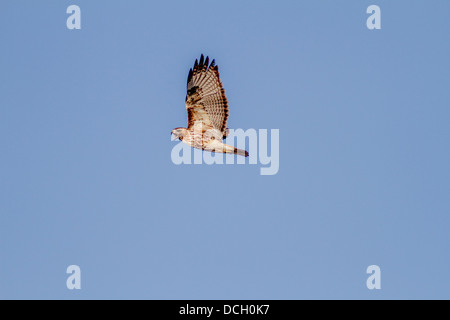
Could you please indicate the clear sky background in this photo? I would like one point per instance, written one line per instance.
(86, 176)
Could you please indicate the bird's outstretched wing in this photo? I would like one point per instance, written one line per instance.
(205, 98)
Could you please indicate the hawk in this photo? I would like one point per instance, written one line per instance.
(207, 109)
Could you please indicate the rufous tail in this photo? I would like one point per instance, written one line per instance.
(241, 152)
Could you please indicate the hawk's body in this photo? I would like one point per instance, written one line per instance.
(207, 109)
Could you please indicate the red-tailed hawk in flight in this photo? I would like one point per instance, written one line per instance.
(207, 109)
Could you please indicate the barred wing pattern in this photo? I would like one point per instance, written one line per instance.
(205, 98)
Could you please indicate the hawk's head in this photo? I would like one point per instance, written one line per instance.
(179, 133)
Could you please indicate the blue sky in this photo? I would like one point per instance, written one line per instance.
(86, 176)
